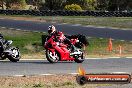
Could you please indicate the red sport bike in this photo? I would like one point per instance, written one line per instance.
(60, 52)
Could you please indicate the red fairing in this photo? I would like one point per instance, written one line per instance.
(61, 48)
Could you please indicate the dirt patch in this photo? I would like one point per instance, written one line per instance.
(33, 56)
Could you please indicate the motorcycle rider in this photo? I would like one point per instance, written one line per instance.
(2, 39)
(60, 37)
(2, 43)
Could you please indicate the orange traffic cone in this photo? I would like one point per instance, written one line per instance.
(110, 45)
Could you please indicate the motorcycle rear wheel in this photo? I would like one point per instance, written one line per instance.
(15, 56)
(3, 57)
(79, 59)
(52, 58)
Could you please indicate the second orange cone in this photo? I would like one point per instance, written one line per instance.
(110, 45)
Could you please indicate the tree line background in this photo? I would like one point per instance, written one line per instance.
(78, 5)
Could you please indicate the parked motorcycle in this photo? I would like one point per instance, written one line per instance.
(7, 51)
(60, 52)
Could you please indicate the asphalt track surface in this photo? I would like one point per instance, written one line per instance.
(31, 67)
(39, 67)
(68, 29)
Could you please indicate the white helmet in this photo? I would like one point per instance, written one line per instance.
(51, 29)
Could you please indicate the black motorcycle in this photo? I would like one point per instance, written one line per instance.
(7, 51)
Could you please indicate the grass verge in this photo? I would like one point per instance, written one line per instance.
(28, 42)
(31, 47)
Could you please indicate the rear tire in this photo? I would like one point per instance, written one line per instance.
(52, 58)
(3, 57)
(79, 59)
(15, 56)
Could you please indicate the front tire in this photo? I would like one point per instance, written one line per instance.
(15, 55)
(52, 58)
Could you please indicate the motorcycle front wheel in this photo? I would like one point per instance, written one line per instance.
(52, 57)
(15, 55)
